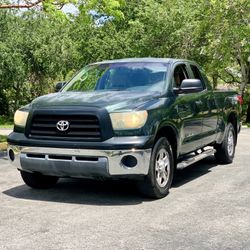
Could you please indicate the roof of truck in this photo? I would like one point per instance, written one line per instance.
(144, 59)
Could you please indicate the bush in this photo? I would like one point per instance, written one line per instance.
(6, 121)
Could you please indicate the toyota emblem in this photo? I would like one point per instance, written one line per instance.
(62, 125)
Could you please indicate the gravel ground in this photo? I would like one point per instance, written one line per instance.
(208, 208)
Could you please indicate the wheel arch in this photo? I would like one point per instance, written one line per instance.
(170, 132)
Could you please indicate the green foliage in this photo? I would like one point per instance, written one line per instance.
(34, 51)
(103, 7)
(39, 48)
(3, 142)
(6, 122)
(3, 138)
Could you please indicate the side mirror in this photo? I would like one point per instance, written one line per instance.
(190, 86)
(59, 86)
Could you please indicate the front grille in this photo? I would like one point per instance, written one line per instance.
(85, 127)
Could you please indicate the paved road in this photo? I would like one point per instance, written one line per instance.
(207, 208)
(5, 131)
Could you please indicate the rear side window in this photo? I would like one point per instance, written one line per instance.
(197, 74)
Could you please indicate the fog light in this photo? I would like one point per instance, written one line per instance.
(129, 161)
(11, 155)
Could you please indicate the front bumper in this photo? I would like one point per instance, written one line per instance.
(70, 162)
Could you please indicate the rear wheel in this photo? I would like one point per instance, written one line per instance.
(38, 181)
(159, 179)
(225, 151)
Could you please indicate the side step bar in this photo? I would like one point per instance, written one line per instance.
(196, 158)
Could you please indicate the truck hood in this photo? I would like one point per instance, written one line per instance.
(111, 100)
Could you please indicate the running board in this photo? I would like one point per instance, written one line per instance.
(195, 158)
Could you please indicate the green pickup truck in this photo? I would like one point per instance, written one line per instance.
(138, 118)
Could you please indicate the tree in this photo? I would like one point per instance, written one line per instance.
(35, 51)
(46, 5)
(100, 8)
(38, 48)
(228, 36)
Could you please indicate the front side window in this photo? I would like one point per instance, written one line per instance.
(120, 76)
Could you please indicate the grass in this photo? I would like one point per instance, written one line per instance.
(6, 126)
(3, 138)
(6, 122)
(3, 142)
(247, 124)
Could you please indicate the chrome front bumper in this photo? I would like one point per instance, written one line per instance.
(78, 162)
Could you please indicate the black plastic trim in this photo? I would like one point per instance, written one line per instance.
(114, 143)
(101, 114)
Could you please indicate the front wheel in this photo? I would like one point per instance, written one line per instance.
(225, 151)
(159, 179)
(38, 181)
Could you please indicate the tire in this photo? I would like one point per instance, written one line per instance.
(226, 150)
(161, 170)
(38, 181)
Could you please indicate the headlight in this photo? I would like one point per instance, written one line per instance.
(20, 118)
(128, 120)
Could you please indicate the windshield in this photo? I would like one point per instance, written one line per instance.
(144, 76)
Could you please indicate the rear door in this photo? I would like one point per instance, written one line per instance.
(189, 111)
(208, 107)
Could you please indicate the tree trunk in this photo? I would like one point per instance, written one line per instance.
(4, 106)
(215, 80)
(245, 73)
(27, 5)
(245, 80)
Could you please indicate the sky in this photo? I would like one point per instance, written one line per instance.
(70, 8)
(67, 8)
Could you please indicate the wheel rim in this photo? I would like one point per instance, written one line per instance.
(230, 143)
(162, 167)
